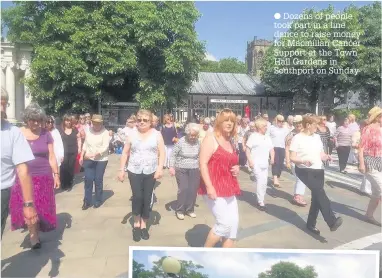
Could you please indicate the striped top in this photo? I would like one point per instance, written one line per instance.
(185, 155)
(219, 168)
(343, 136)
(325, 136)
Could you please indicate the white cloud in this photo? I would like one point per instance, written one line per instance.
(151, 259)
(210, 57)
(251, 264)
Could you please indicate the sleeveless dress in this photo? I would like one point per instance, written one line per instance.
(219, 168)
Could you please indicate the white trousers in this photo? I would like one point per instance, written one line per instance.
(299, 186)
(226, 213)
(168, 150)
(261, 177)
(353, 157)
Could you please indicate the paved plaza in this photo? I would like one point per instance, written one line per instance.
(95, 243)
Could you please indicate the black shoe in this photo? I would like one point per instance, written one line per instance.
(97, 205)
(336, 224)
(136, 234)
(36, 246)
(262, 208)
(85, 206)
(145, 234)
(314, 230)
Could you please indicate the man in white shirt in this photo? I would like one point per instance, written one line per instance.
(15, 152)
(259, 148)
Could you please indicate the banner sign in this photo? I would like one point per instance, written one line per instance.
(229, 101)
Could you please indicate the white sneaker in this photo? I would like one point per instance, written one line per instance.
(192, 214)
(179, 215)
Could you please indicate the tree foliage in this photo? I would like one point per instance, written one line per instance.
(226, 65)
(83, 50)
(366, 21)
(289, 270)
(188, 270)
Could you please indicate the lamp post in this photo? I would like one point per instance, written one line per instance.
(171, 267)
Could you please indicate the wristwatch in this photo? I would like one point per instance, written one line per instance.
(28, 205)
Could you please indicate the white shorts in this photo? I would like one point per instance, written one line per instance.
(226, 214)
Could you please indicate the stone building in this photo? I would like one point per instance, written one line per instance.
(15, 62)
(255, 53)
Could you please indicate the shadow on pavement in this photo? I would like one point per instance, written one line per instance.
(29, 263)
(335, 184)
(282, 213)
(196, 237)
(154, 219)
(107, 194)
(351, 212)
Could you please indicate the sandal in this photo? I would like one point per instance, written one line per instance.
(373, 221)
(299, 201)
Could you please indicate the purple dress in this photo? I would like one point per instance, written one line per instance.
(43, 187)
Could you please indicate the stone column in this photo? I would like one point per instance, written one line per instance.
(11, 89)
(27, 94)
(3, 66)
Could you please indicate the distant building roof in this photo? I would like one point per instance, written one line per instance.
(210, 83)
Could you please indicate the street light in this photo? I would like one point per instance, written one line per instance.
(171, 267)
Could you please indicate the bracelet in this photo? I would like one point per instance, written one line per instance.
(28, 205)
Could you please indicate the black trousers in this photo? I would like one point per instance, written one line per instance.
(277, 167)
(5, 196)
(142, 187)
(188, 183)
(330, 145)
(314, 179)
(67, 170)
(242, 155)
(343, 156)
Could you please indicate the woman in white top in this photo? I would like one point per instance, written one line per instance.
(307, 153)
(94, 158)
(144, 152)
(57, 140)
(278, 134)
(259, 148)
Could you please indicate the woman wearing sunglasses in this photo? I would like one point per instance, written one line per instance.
(58, 145)
(144, 153)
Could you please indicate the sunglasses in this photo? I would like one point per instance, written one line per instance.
(142, 120)
(49, 122)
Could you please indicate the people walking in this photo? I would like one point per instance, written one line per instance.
(354, 127)
(15, 154)
(324, 133)
(45, 178)
(94, 159)
(343, 142)
(72, 142)
(58, 145)
(307, 152)
(169, 134)
(184, 165)
(278, 134)
(299, 186)
(242, 130)
(144, 153)
(259, 149)
(219, 167)
(331, 124)
(370, 160)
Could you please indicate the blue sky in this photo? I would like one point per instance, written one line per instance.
(228, 26)
(249, 264)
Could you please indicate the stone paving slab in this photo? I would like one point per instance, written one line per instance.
(95, 243)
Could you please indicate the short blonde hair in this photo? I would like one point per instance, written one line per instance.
(145, 113)
(309, 119)
(259, 122)
(225, 115)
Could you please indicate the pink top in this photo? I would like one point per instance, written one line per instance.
(371, 141)
(40, 165)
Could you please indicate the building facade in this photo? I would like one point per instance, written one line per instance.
(255, 53)
(15, 66)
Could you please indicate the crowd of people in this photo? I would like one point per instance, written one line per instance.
(205, 156)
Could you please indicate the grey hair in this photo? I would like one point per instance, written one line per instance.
(207, 121)
(33, 112)
(192, 127)
(4, 94)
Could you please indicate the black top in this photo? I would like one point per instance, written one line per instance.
(70, 141)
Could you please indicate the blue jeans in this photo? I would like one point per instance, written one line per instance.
(94, 172)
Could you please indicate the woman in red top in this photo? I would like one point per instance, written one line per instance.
(370, 160)
(219, 167)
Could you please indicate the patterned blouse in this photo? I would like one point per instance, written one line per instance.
(143, 153)
(371, 142)
(185, 155)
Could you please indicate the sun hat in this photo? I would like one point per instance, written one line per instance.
(374, 113)
(297, 119)
(97, 118)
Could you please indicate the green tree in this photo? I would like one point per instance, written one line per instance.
(315, 85)
(289, 270)
(226, 65)
(188, 270)
(147, 51)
